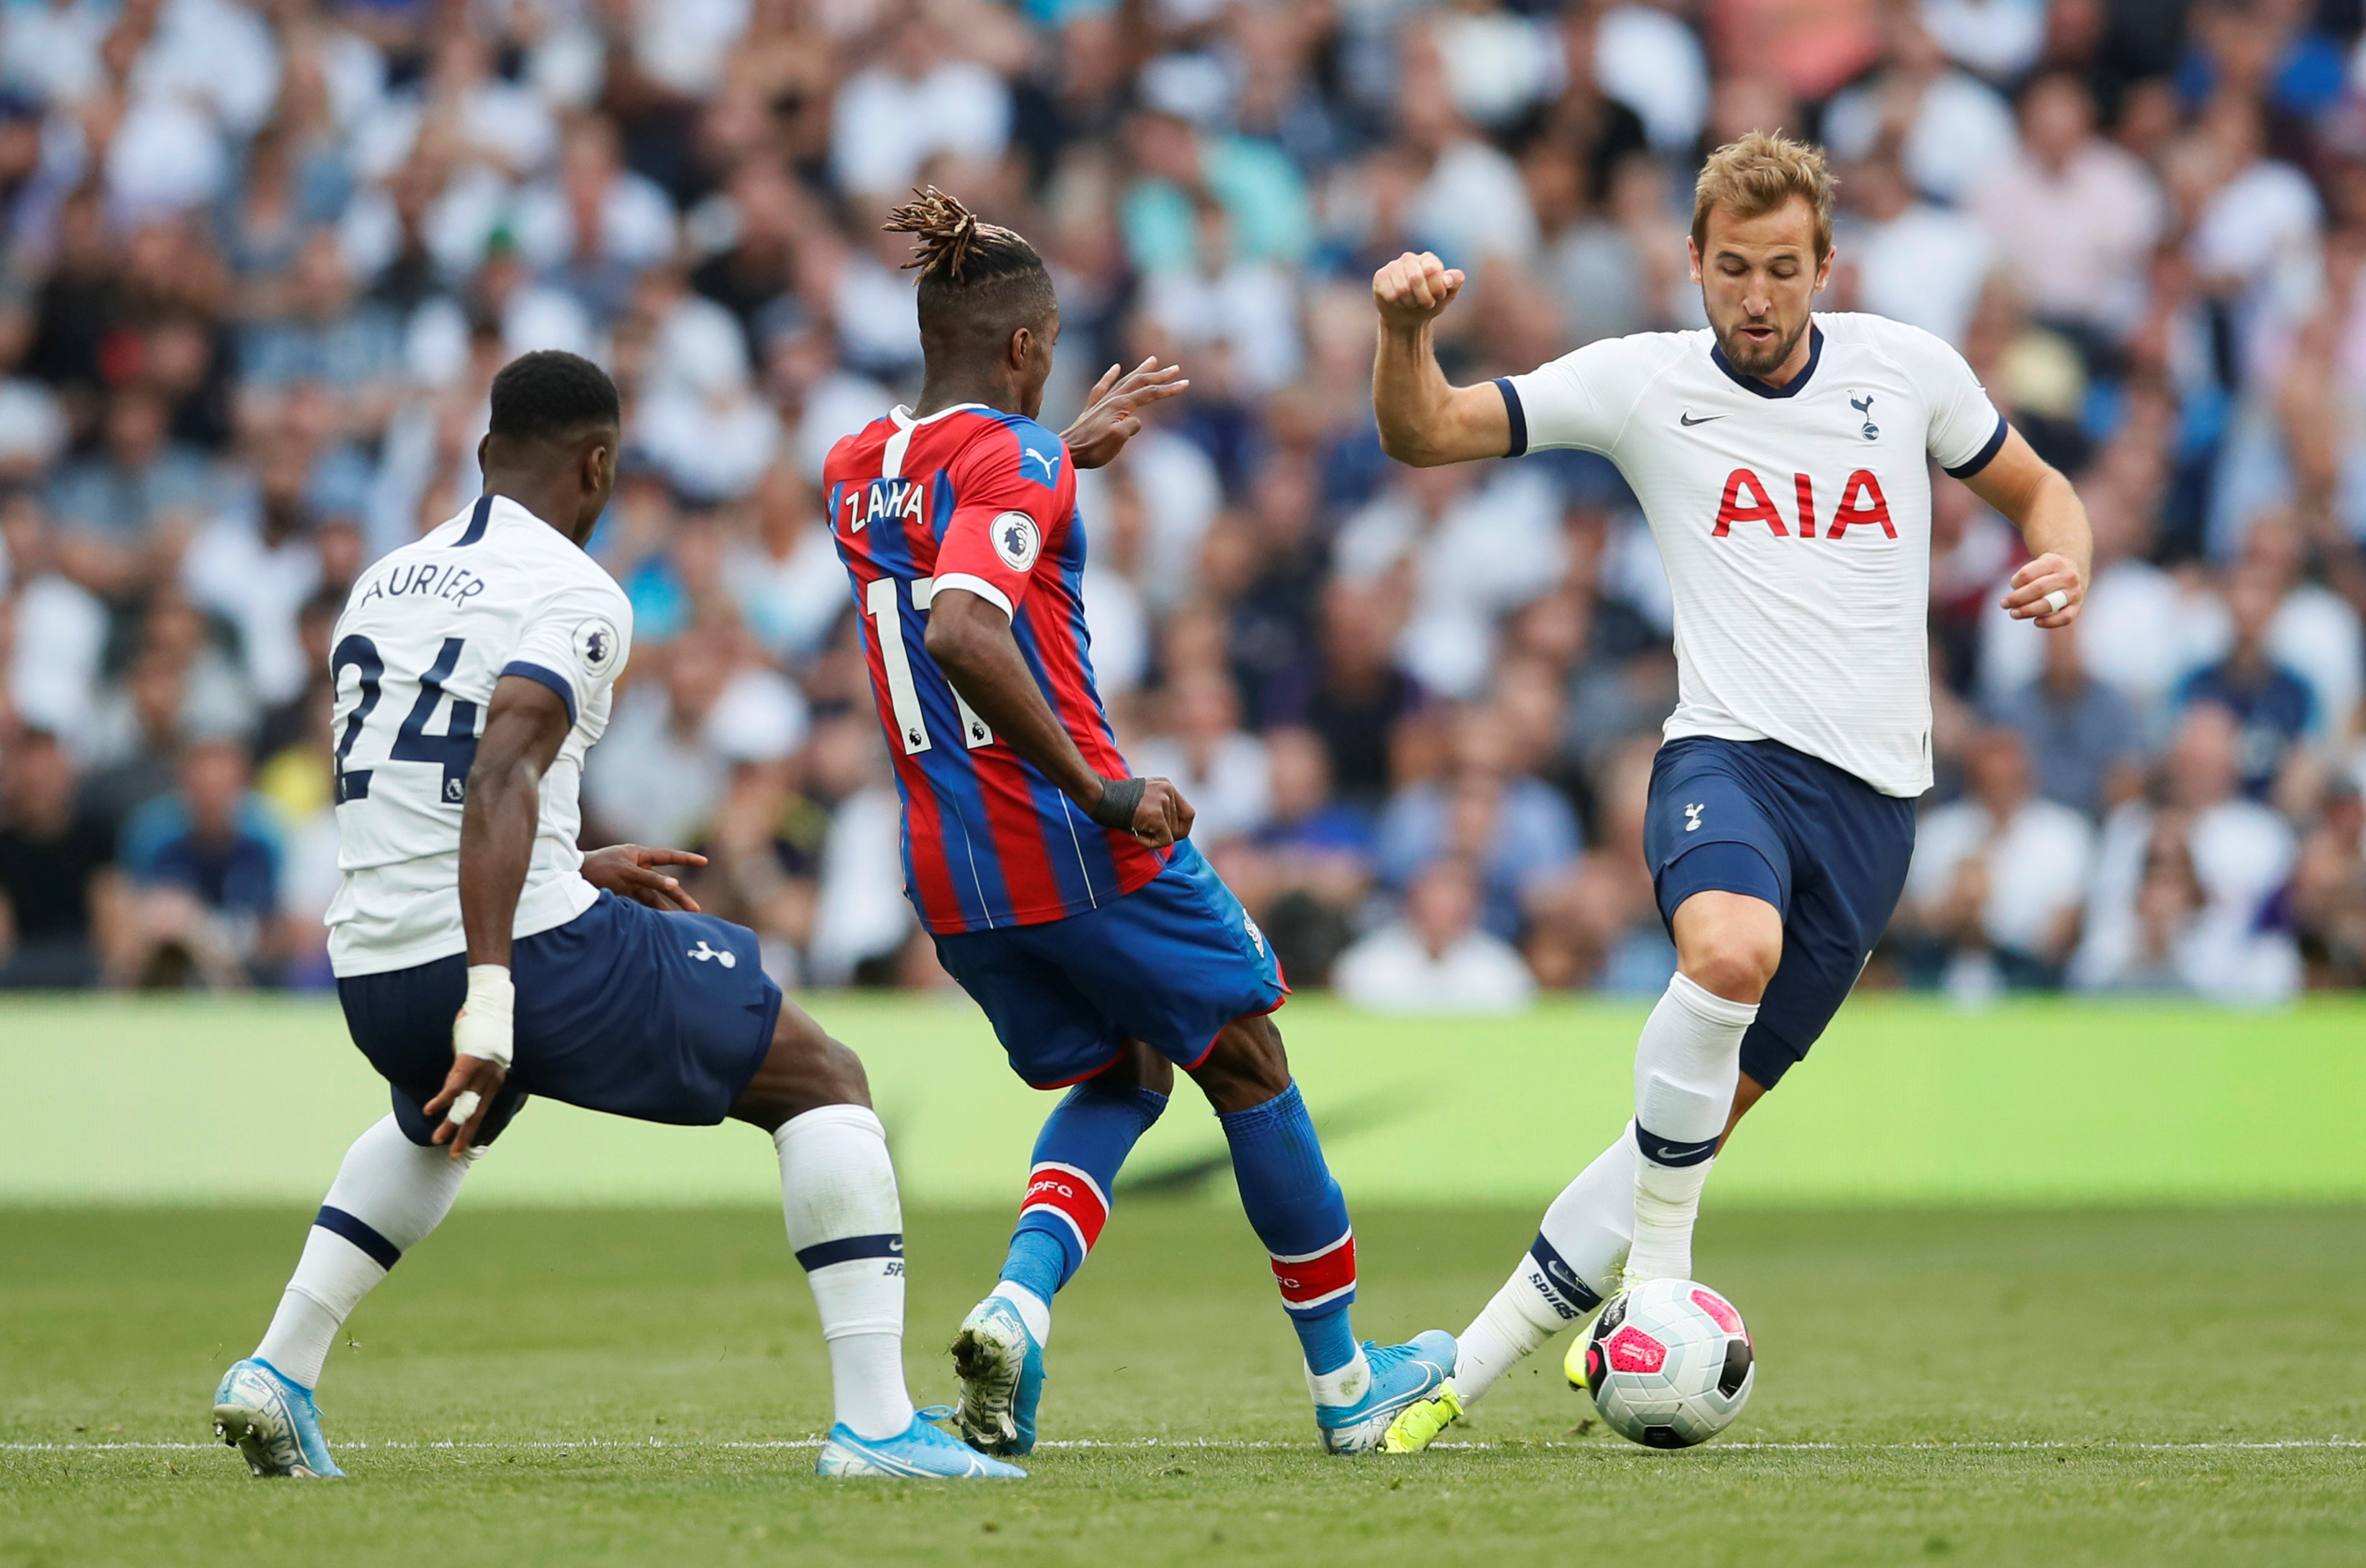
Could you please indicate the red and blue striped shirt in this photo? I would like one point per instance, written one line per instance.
(979, 499)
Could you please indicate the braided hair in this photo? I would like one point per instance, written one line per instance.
(979, 282)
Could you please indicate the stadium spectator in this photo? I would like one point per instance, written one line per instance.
(58, 629)
(2330, 891)
(660, 779)
(2083, 739)
(1994, 894)
(255, 569)
(1222, 770)
(2184, 895)
(1436, 959)
(2272, 708)
(59, 892)
(1598, 925)
(2073, 216)
(1305, 874)
(203, 863)
(1511, 829)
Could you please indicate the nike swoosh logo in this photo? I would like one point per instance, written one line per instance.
(1687, 419)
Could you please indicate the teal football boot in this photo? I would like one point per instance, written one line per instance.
(270, 1419)
(1001, 1371)
(920, 1452)
(1401, 1374)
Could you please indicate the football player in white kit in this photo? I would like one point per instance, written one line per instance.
(481, 957)
(1782, 459)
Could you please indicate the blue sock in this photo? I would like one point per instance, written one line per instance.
(1085, 1139)
(1298, 1212)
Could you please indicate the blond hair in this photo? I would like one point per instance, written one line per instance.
(1754, 174)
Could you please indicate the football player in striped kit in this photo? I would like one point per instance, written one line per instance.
(1062, 892)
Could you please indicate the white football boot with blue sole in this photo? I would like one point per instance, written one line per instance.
(270, 1419)
(1001, 1371)
(1400, 1375)
(920, 1452)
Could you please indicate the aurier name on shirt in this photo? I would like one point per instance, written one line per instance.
(424, 639)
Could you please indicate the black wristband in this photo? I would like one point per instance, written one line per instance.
(1119, 797)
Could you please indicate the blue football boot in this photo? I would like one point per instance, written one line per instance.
(1401, 1375)
(1001, 1371)
(270, 1419)
(920, 1452)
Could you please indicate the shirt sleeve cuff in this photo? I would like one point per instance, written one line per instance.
(978, 586)
(1984, 455)
(1517, 415)
(547, 677)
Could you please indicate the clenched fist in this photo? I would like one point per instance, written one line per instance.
(1413, 289)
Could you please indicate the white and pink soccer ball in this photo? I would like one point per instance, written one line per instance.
(1668, 1363)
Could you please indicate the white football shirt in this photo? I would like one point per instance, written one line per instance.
(426, 632)
(1795, 522)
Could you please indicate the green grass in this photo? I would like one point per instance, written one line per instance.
(1955, 1385)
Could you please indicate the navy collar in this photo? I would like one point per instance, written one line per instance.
(1791, 387)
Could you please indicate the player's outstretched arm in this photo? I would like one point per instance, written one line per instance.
(524, 727)
(1113, 407)
(2040, 502)
(970, 640)
(1424, 420)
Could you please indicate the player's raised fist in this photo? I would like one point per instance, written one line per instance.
(1414, 288)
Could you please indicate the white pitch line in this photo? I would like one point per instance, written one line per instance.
(1229, 1445)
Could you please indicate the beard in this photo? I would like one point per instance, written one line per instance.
(1750, 360)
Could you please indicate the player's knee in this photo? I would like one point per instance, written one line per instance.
(1138, 1066)
(1246, 1066)
(805, 1071)
(1734, 960)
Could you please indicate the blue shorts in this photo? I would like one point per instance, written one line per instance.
(616, 1012)
(1823, 846)
(1169, 964)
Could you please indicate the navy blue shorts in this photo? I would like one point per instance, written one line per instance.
(659, 1017)
(1818, 843)
(1169, 964)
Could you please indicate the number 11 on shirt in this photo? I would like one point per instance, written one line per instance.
(902, 697)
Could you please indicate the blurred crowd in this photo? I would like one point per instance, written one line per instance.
(259, 261)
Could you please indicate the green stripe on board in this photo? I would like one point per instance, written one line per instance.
(208, 1100)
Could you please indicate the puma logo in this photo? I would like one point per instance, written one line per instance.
(1049, 460)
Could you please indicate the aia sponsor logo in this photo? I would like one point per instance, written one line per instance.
(1747, 500)
(1632, 1350)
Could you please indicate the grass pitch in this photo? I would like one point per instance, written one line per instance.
(634, 1387)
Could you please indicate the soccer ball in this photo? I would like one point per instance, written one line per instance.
(1668, 1365)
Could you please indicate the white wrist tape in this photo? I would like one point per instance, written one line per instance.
(484, 1026)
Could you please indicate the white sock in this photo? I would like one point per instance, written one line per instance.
(1563, 1276)
(387, 1195)
(1341, 1385)
(1687, 1067)
(1034, 1310)
(837, 1191)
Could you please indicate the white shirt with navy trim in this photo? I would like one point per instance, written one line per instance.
(1795, 522)
(427, 632)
